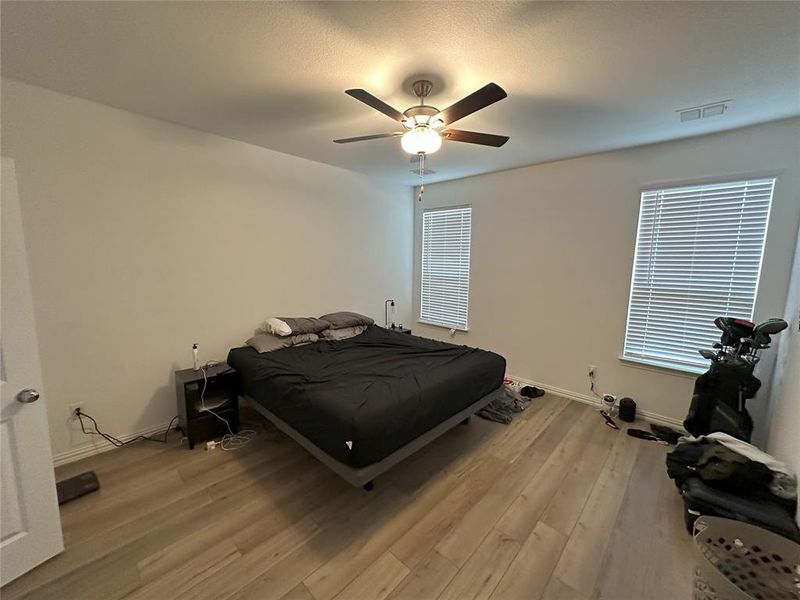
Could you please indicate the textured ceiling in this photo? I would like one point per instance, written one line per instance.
(581, 77)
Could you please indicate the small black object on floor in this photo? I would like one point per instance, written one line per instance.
(657, 433)
(627, 410)
(77, 486)
(668, 434)
(645, 435)
(531, 392)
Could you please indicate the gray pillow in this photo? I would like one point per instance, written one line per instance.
(266, 342)
(305, 324)
(339, 320)
(342, 333)
(286, 326)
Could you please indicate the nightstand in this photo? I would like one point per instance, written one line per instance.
(221, 396)
(399, 329)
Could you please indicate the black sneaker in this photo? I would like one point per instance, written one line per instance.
(668, 434)
(531, 392)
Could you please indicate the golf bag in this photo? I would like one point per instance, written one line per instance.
(718, 401)
(720, 394)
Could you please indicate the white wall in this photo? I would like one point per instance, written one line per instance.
(784, 433)
(144, 237)
(552, 251)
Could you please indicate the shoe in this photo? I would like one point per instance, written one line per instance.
(667, 434)
(645, 435)
(531, 392)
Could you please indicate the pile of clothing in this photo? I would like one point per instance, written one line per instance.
(720, 474)
(503, 409)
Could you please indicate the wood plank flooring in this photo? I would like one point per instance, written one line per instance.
(555, 505)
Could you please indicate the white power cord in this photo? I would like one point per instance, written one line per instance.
(230, 441)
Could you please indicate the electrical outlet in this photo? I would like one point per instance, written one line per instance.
(72, 409)
(592, 370)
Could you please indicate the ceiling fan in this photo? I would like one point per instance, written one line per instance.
(426, 126)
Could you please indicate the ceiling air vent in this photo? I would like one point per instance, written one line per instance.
(714, 110)
(703, 112)
(691, 114)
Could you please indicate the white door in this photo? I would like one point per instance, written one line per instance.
(30, 526)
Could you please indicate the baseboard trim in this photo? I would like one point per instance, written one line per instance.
(100, 445)
(648, 416)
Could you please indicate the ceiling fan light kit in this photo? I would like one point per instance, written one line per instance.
(422, 139)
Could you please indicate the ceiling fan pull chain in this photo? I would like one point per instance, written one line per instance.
(421, 176)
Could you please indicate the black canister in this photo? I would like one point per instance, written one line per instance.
(627, 410)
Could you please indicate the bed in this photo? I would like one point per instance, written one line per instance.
(362, 404)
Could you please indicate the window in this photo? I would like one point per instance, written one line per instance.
(698, 257)
(446, 237)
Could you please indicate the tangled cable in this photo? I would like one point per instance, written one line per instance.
(230, 441)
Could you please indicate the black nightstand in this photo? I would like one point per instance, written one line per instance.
(221, 396)
(399, 329)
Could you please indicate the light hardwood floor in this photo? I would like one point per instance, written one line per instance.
(554, 506)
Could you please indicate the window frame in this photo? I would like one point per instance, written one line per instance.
(685, 369)
(420, 318)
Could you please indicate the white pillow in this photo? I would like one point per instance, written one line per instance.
(275, 326)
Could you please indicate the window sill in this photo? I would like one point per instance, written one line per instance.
(448, 327)
(686, 371)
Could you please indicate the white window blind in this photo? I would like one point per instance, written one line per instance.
(698, 257)
(446, 237)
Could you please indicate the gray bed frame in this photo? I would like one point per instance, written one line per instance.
(363, 476)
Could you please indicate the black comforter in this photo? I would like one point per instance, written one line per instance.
(362, 398)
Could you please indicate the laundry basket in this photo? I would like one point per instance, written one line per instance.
(739, 561)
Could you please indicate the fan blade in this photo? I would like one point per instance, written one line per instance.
(488, 94)
(376, 103)
(364, 138)
(472, 137)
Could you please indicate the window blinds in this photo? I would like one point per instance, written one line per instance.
(446, 237)
(698, 257)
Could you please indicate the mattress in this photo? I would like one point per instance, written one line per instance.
(362, 398)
